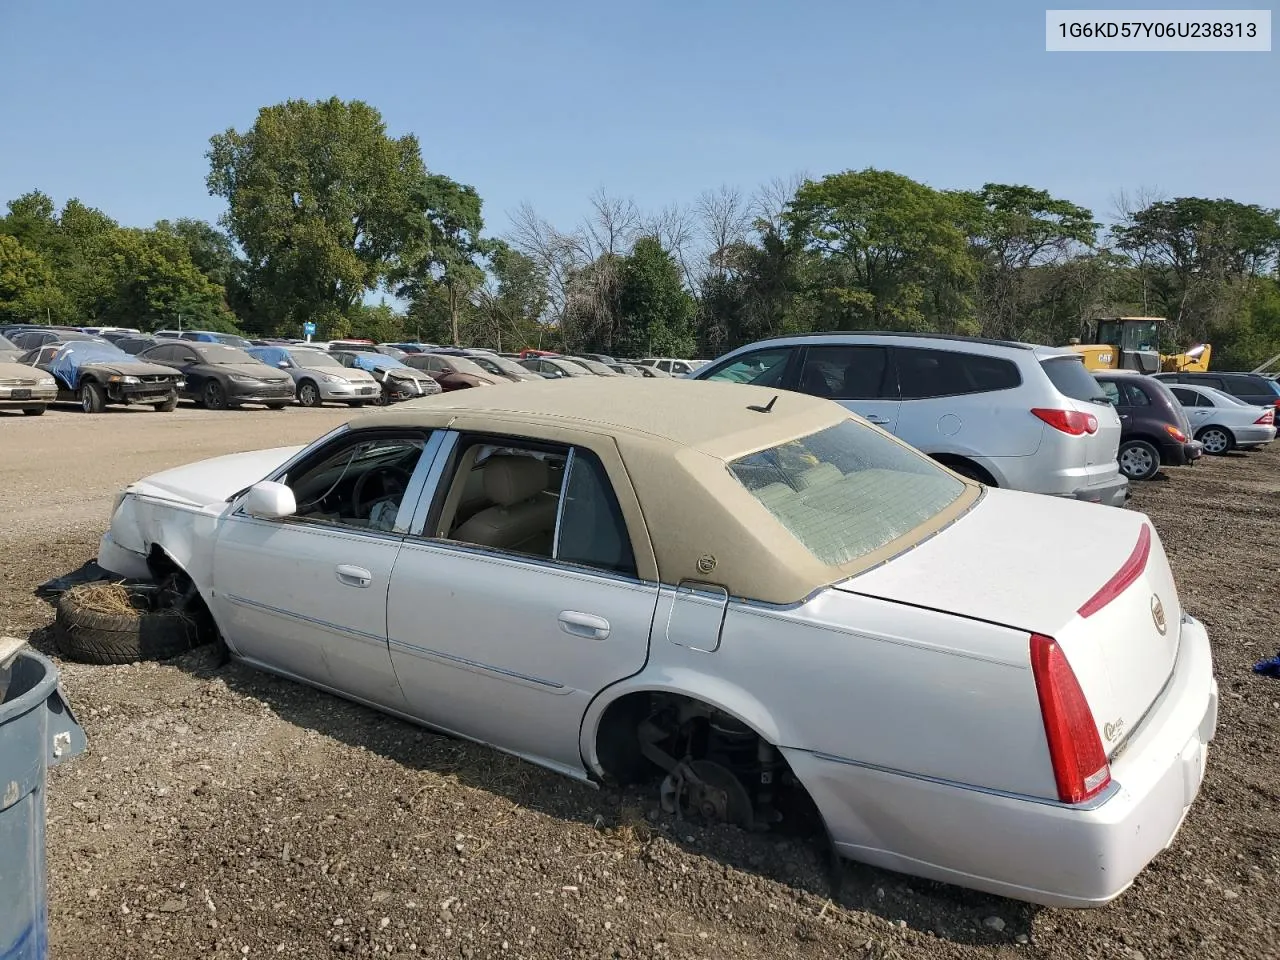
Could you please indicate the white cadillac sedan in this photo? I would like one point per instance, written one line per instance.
(752, 595)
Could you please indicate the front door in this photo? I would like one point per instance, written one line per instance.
(521, 602)
(307, 595)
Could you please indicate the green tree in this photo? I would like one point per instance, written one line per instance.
(379, 323)
(147, 279)
(445, 248)
(1195, 259)
(1018, 233)
(321, 201)
(28, 291)
(893, 254)
(657, 311)
(211, 250)
(509, 309)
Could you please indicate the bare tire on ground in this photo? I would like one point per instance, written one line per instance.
(33, 411)
(92, 398)
(93, 636)
(168, 406)
(276, 406)
(1139, 460)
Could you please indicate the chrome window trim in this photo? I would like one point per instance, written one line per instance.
(431, 481)
(559, 567)
(564, 486)
(414, 649)
(361, 635)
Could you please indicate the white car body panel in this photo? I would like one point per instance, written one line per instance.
(902, 698)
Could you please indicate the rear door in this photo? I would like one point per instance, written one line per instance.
(860, 377)
(954, 401)
(1082, 393)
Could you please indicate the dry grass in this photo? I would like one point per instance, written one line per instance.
(104, 597)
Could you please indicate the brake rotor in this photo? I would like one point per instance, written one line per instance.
(712, 793)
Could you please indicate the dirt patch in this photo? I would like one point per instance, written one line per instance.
(219, 810)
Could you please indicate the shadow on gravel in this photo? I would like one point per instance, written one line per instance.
(631, 817)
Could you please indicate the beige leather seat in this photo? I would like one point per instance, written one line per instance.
(523, 517)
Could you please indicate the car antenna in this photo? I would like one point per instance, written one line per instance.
(767, 408)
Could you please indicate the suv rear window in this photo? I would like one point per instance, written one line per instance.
(847, 490)
(1072, 379)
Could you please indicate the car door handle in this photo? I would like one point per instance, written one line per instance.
(584, 625)
(872, 418)
(353, 576)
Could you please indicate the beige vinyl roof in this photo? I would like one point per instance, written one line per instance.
(665, 444)
(710, 417)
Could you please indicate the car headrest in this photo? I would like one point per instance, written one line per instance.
(509, 479)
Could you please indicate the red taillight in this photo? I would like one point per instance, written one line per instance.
(1267, 418)
(1080, 766)
(1129, 571)
(1068, 421)
(1175, 433)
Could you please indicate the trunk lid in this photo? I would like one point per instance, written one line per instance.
(1084, 574)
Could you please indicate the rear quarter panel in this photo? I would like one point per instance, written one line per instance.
(877, 683)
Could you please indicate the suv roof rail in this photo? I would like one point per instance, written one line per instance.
(989, 341)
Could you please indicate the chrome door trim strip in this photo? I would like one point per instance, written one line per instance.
(420, 651)
(302, 618)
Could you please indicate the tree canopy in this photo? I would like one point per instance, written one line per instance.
(326, 211)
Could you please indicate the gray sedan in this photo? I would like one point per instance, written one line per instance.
(319, 376)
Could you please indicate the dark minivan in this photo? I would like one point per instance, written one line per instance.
(1154, 429)
(1252, 388)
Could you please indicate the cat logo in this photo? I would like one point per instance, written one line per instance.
(1157, 615)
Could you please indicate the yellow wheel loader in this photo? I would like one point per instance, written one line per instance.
(1133, 343)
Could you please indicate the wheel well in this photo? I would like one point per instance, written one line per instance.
(164, 568)
(649, 735)
(1145, 438)
(963, 465)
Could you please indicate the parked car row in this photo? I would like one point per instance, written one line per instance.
(1005, 414)
(99, 366)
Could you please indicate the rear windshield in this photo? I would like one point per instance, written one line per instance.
(1071, 378)
(848, 490)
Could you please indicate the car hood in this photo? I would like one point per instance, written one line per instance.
(209, 482)
(259, 371)
(20, 371)
(347, 373)
(130, 368)
(1039, 563)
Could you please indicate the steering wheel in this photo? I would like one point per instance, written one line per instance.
(391, 480)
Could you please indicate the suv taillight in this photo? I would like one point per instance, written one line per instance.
(1068, 421)
(1080, 765)
(1267, 418)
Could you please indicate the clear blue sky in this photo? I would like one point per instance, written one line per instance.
(544, 102)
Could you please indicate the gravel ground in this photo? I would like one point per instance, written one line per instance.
(221, 811)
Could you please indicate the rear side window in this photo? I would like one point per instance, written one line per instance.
(852, 372)
(1134, 395)
(846, 491)
(1071, 379)
(947, 373)
(592, 530)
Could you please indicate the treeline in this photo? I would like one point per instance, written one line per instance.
(324, 209)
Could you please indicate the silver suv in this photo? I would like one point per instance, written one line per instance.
(1007, 414)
